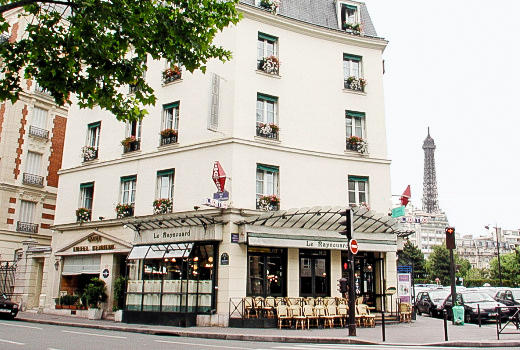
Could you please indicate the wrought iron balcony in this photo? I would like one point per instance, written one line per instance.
(168, 140)
(38, 132)
(262, 131)
(132, 146)
(26, 227)
(33, 180)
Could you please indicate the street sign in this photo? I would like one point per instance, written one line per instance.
(398, 212)
(353, 246)
(221, 196)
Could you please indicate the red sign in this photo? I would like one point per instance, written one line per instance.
(219, 176)
(353, 246)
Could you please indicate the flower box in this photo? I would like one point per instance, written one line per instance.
(89, 153)
(354, 83)
(356, 143)
(268, 203)
(168, 136)
(171, 74)
(83, 214)
(267, 130)
(270, 65)
(162, 206)
(270, 5)
(353, 28)
(130, 144)
(124, 210)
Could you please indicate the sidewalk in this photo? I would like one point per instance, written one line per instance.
(423, 331)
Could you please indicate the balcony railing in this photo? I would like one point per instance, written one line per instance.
(132, 146)
(26, 227)
(168, 140)
(38, 132)
(268, 133)
(33, 180)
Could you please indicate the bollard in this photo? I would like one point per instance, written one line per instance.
(479, 320)
(445, 316)
(383, 325)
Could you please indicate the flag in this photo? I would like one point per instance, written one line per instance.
(405, 198)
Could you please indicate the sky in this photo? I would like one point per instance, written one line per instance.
(455, 66)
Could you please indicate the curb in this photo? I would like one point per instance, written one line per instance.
(264, 338)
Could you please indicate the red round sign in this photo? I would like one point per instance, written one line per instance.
(353, 246)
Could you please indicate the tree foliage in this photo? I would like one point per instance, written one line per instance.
(509, 266)
(93, 49)
(411, 255)
(438, 265)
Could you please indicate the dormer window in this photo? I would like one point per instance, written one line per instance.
(350, 18)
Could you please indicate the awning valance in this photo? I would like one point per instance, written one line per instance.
(160, 251)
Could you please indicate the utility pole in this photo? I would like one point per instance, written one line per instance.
(498, 255)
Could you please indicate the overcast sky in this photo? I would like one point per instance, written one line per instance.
(455, 66)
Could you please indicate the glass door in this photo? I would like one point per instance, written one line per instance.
(314, 273)
(266, 272)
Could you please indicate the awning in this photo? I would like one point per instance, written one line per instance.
(81, 264)
(160, 251)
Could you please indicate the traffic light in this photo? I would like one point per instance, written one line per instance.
(347, 213)
(343, 285)
(450, 237)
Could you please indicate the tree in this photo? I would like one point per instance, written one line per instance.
(509, 266)
(478, 274)
(94, 48)
(438, 265)
(411, 255)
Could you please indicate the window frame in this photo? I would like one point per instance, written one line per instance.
(356, 180)
(83, 195)
(343, 15)
(131, 190)
(24, 206)
(42, 123)
(352, 59)
(29, 165)
(175, 106)
(170, 174)
(266, 100)
(354, 117)
(93, 134)
(262, 41)
(275, 173)
(129, 131)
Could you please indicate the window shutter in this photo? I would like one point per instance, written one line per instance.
(39, 118)
(94, 125)
(214, 102)
(355, 114)
(358, 178)
(264, 97)
(263, 36)
(273, 169)
(33, 163)
(87, 185)
(347, 56)
(165, 172)
(171, 105)
(128, 178)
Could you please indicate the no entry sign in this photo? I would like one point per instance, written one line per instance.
(353, 246)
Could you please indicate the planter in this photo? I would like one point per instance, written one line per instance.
(73, 307)
(118, 316)
(95, 313)
(65, 306)
(58, 307)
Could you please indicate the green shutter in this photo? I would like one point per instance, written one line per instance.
(94, 125)
(347, 56)
(171, 105)
(350, 7)
(273, 169)
(264, 97)
(165, 172)
(86, 185)
(263, 36)
(128, 178)
(357, 178)
(355, 114)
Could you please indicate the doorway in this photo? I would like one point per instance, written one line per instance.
(314, 273)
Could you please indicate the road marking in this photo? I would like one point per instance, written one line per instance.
(96, 335)
(19, 325)
(10, 342)
(358, 346)
(206, 345)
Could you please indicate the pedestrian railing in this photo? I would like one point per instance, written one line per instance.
(506, 316)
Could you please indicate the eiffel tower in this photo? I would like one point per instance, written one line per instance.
(430, 203)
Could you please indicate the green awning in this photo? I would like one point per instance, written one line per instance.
(357, 178)
(86, 185)
(350, 7)
(165, 172)
(273, 169)
(264, 97)
(347, 56)
(94, 125)
(355, 114)
(129, 178)
(171, 105)
(264, 36)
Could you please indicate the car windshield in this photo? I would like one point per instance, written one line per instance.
(439, 295)
(476, 297)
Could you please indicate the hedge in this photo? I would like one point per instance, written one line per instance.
(493, 282)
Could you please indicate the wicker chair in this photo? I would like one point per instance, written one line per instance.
(282, 313)
(343, 313)
(308, 312)
(367, 319)
(331, 316)
(269, 305)
(295, 311)
(249, 308)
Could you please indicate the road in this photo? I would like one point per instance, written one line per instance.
(19, 335)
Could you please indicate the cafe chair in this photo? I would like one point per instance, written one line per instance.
(308, 312)
(282, 313)
(367, 319)
(295, 311)
(268, 308)
(331, 316)
(249, 309)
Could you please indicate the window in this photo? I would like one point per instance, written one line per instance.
(27, 211)
(355, 122)
(165, 184)
(267, 187)
(266, 116)
(86, 195)
(171, 116)
(352, 74)
(33, 163)
(93, 134)
(266, 271)
(39, 118)
(349, 17)
(132, 142)
(128, 184)
(267, 56)
(357, 190)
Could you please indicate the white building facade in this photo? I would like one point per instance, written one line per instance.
(295, 119)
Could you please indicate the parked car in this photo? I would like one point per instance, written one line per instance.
(509, 297)
(7, 307)
(473, 302)
(430, 302)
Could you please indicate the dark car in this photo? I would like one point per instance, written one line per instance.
(430, 302)
(508, 297)
(474, 302)
(8, 308)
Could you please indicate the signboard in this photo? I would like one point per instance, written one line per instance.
(221, 196)
(224, 259)
(105, 273)
(219, 176)
(414, 220)
(181, 234)
(354, 246)
(214, 203)
(397, 212)
(404, 287)
(235, 238)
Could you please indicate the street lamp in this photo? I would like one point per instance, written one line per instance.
(498, 253)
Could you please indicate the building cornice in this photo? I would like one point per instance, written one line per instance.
(222, 142)
(254, 13)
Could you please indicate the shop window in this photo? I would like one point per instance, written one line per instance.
(267, 196)
(314, 273)
(364, 274)
(266, 274)
(357, 191)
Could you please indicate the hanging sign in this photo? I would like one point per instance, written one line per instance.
(219, 176)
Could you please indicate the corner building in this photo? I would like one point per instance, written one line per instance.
(296, 120)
